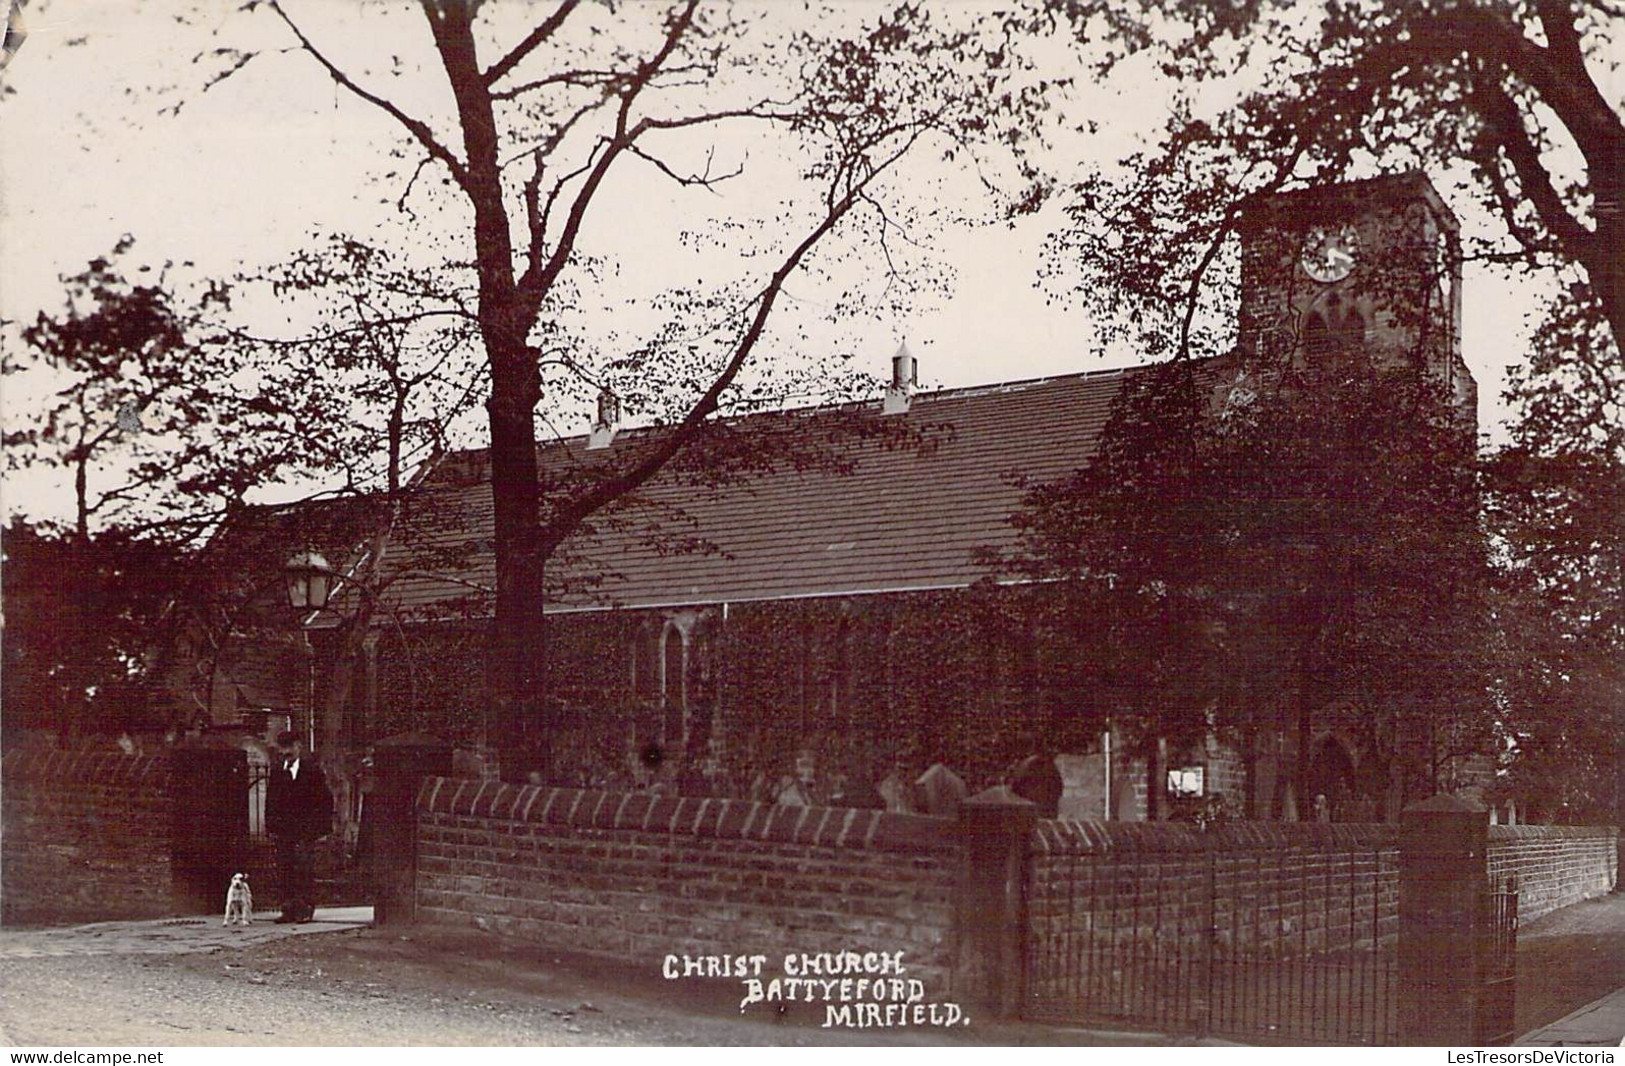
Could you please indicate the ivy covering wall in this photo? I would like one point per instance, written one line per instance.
(865, 685)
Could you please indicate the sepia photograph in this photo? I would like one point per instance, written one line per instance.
(825, 523)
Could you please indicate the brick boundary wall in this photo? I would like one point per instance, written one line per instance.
(84, 836)
(635, 876)
(1286, 886)
(1556, 865)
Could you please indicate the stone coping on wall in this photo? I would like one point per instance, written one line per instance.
(44, 765)
(1068, 836)
(1510, 834)
(829, 827)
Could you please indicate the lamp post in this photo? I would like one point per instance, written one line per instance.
(308, 580)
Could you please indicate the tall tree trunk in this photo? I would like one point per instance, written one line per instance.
(339, 678)
(514, 676)
(1604, 253)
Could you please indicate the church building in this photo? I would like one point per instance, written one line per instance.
(840, 624)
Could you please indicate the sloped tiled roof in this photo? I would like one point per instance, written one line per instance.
(901, 518)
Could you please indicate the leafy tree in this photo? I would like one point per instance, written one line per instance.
(79, 621)
(543, 126)
(163, 425)
(1309, 560)
(386, 347)
(1513, 99)
(1515, 89)
(142, 395)
(1557, 504)
(170, 413)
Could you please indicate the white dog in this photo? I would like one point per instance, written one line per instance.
(239, 902)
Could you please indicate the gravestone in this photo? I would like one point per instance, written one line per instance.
(858, 793)
(1036, 778)
(1083, 786)
(792, 793)
(897, 792)
(940, 791)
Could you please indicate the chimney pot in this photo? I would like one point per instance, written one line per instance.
(607, 421)
(905, 377)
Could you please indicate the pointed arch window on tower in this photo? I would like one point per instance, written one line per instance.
(1334, 341)
(1316, 338)
(1351, 336)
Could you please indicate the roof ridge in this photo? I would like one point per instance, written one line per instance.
(949, 393)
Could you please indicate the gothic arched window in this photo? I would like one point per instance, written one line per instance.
(643, 662)
(674, 683)
(1334, 345)
(1316, 338)
(840, 679)
(1352, 329)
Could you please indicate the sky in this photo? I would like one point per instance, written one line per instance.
(248, 170)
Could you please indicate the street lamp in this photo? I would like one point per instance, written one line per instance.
(308, 580)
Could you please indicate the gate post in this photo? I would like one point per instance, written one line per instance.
(996, 826)
(1443, 853)
(389, 820)
(208, 840)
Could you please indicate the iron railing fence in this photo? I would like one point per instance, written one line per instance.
(1498, 952)
(1287, 945)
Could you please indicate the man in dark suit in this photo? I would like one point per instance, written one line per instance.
(298, 811)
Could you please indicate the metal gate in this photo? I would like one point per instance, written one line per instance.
(340, 878)
(209, 823)
(1497, 953)
(1281, 945)
(259, 774)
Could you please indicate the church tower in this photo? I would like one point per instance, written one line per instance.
(1358, 283)
(1355, 278)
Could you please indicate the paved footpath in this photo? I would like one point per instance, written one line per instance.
(170, 936)
(1598, 1024)
(1573, 958)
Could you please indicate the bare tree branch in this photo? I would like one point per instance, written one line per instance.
(1502, 113)
(706, 180)
(532, 41)
(544, 269)
(571, 515)
(415, 127)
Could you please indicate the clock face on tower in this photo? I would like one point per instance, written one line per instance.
(1328, 253)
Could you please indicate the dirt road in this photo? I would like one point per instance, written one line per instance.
(181, 984)
(371, 987)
